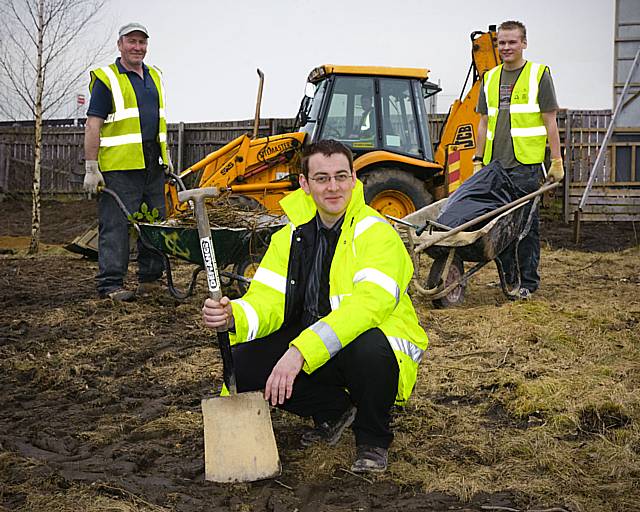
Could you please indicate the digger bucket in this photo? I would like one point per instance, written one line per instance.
(238, 435)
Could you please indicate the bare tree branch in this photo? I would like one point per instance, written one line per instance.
(68, 28)
(42, 59)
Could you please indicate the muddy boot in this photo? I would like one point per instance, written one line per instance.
(370, 459)
(329, 431)
(118, 295)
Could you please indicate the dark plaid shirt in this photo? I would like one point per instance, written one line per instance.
(316, 298)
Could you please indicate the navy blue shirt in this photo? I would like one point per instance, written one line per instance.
(101, 103)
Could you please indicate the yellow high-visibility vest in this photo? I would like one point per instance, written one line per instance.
(528, 132)
(120, 135)
(368, 280)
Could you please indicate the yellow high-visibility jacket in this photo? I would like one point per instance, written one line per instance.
(120, 135)
(368, 281)
(528, 132)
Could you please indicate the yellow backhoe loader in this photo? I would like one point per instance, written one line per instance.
(380, 112)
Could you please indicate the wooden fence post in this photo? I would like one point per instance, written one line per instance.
(568, 157)
(179, 168)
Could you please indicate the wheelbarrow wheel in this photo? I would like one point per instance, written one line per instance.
(435, 278)
(246, 267)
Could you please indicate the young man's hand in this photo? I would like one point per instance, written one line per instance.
(280, 383)
(556, 170)
(218, 314)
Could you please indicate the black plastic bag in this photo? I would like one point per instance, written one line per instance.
(485, 191)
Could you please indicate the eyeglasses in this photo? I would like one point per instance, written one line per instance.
(323, 179)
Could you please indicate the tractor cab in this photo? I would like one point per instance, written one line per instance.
(380, 113)
(369, 109)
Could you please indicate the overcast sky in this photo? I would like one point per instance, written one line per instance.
(209, 50)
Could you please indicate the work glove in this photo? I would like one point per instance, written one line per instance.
(556, 171)
(477, 165)
(92, 176)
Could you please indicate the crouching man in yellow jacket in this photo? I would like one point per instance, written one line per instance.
(329, 298)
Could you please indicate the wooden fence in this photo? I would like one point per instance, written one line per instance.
(615, 194)
(63, 150)
(617, 184)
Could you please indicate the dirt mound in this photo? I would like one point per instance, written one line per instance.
(62, 221)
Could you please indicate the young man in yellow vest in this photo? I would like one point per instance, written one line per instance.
(517, 106)
(125, 148)
(327, 327)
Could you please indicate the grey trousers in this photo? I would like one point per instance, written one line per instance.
(133, 188)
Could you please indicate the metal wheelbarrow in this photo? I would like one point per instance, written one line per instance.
(241, 247)
(451, 247)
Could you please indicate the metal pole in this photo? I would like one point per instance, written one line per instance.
(605, 142)
(256, 121)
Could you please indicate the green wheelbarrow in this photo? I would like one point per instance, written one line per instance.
(241, 248)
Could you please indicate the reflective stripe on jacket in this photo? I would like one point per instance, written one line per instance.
(368, 280)
(120, 135)
(528, 132)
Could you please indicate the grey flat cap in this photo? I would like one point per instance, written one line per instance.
(132, 27)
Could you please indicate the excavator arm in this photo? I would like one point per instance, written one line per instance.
(262, 169)
(459, 131)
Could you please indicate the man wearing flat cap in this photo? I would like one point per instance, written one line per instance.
(125, 148)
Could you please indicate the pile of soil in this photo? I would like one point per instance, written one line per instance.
(61, 221)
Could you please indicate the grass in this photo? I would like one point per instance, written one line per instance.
(539, 397)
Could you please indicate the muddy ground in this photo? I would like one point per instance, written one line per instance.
(519, 406)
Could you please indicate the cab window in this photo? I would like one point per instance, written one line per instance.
(351, 115)
(307, 118)
(399, 120)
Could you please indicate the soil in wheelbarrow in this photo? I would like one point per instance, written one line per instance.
(518, 405)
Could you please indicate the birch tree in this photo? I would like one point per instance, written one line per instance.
(46, 47)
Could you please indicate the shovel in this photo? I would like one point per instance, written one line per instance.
(239, 445)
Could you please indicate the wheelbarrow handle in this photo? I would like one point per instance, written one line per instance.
(197, 197)
(433, 223)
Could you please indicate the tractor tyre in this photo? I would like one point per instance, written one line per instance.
(395, 192)
(456, 296)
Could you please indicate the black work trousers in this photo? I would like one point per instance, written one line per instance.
(364, 373)
(528, 178)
